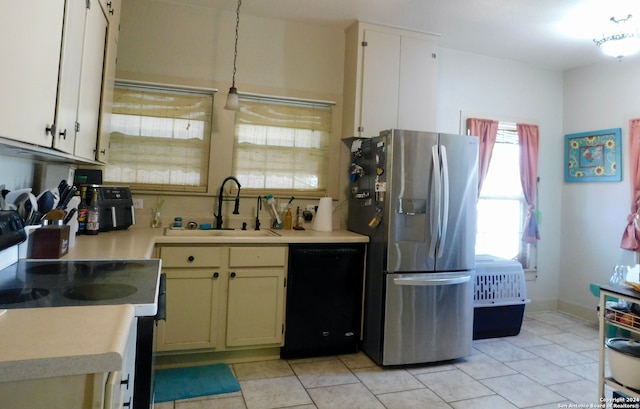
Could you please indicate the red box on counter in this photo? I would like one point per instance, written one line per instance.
(49, 242)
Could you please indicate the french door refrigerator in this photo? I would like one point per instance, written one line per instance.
(414, 194)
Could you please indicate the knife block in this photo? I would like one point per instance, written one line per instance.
(49, 242)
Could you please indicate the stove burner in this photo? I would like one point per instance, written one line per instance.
(47, 268)
(100, 292)
(18, 295)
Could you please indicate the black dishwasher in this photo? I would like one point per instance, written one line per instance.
(324, 299)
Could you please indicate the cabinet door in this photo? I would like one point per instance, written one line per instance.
(69, 80)
(380, 77)
(104, 131)
(95, 41)
(255, 307)
(418, 84)
(31, 32)
(112, 10)
(192, 310)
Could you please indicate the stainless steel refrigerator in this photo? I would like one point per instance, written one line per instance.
(414, 194)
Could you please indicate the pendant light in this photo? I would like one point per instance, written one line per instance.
(233, 103)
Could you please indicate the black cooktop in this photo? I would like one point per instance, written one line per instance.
(59, 283)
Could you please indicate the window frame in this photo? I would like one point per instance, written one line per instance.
(527, 252)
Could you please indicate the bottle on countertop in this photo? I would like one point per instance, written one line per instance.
(93, 216)
(288, 220)
(83, 210)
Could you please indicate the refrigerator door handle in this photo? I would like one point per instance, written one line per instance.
(435, 227)
(445, 199)
(431, 281)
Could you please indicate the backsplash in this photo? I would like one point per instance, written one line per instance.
(16, 172)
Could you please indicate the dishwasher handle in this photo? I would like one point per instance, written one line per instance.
(421, 280)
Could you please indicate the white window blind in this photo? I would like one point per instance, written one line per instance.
(160, 137)
(282, 144)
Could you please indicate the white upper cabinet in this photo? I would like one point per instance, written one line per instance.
(390, 80)
(380, 75)
(30, 41)
(95, 40)
(112, 8)
(59, 73)
(418, 85)
(64, 135)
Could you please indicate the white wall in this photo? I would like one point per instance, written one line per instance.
(505, 90)
(601, 96)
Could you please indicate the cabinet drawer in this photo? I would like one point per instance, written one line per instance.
(190, 257)
(257, 256)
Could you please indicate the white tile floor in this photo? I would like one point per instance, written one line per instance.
(552, 363)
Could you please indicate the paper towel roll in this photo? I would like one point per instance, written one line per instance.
(323, 221)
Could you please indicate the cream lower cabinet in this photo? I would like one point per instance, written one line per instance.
(223, 297)
(193, 297)
(255, 307)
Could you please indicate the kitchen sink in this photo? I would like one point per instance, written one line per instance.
(220, 233)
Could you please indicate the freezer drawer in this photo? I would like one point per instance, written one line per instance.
(429, 317)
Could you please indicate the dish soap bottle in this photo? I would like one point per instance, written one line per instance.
(93, 216)
(288, 220)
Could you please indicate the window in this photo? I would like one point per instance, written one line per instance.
(501, 205)
(282, 144)
(160, 137)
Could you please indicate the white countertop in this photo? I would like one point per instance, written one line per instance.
(49, 342)
(139, 241)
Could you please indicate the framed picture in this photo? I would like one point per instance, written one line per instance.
(593, 156)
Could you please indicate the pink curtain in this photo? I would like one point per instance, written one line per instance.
(630, 236)
(486, 130)
(528, 140)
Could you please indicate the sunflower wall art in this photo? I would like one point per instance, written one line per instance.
(593, 156)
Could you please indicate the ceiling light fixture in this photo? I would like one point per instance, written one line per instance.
(625, 42)
(233, 102)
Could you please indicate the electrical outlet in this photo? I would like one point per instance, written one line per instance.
(138, 203)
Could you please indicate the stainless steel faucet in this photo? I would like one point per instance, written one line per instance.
(221, 198)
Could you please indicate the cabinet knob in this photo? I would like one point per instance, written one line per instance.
(50, 129)
(190, 259)
(111, 11)
(232, 275)
(64, 134)
(127, 404)
(109, 4)
(216, 275)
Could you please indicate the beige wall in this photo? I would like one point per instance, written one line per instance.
(176, 44)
